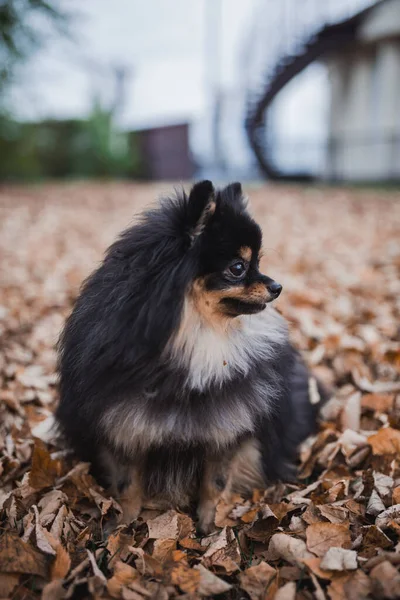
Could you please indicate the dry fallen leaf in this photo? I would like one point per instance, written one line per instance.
(289, 548)
(163, 549)
(385, 581)
(387, 516)
(210, 584)
(386, 441)
(380, 403)
(17, 556)
(354, 586)
(314, 566)
(123, 575)
(375, 505)
(61, 565)
(286, 592)
(45, 470)
(187, 579)
(8, 583)
(255, 580)
(223, 552)
(322, 536)
(170, 525)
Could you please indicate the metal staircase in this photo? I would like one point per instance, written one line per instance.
(329, 38)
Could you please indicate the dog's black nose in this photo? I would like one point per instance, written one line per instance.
(274, 289)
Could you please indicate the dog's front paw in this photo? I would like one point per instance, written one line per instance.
(206, 517)
(130, 511)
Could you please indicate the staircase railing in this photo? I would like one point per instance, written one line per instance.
(329, 38)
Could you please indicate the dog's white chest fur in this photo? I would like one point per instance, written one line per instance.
(213, 355)
(208, 356)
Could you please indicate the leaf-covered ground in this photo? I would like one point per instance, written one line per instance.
(334, 535)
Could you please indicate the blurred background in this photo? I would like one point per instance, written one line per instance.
(171, 89)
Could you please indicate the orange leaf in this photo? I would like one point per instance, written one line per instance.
(44, 470)
(386, 441)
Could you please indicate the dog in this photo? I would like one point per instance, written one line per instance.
(178, 382)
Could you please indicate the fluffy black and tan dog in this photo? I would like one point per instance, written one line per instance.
(177, 380)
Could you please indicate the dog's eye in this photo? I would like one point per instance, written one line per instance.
(237, 269)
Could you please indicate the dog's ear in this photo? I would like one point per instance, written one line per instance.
(201, 206)
(233, 195)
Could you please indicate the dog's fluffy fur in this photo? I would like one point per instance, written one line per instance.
(177, 381)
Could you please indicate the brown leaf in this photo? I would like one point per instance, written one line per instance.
(44, 540)
(123, 575)
(55, 590)
(222, 514)
(187, 579)
(170, 525)
(314, 565)
(312, 514)
(281, 509)
(385, 581)
(145, 563)
(375, 505)
(191, 544)
(289, 548)
(118, 545)
(255, 580)
(263, 527)
(58, 523)
(322, 536)
(128, 594)
(286, 592)
(396, 495)
(334, 514)
(8, 582)
(210, 584)
(45, 470)
(17, 556)
(61, 565)
(104, 504)
(380, 403)
(49, 505)
(386, 441)
(223, 552)
(163, 549)
(373, 539)
(354, 586)
(386, 516)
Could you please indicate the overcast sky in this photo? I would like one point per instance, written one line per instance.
(164, 45)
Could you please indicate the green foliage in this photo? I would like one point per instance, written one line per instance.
(69, 148)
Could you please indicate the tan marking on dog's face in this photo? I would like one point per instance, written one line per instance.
(257, 292)
(208, 302)
(245, 252)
